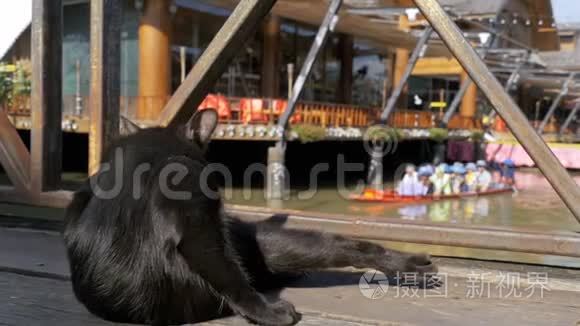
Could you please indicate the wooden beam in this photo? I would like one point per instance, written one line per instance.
(469, 103)
(512, 239)
(380, 3)
(311, 12)
(213, 62)
(104, 101)
(56, 199)
(401, 56)
(46, 97)
(271, 57)
(437, 66)
(346, 58)
(14, 155)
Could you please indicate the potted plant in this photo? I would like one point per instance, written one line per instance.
(308, 133)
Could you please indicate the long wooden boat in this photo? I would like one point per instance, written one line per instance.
(389, 196)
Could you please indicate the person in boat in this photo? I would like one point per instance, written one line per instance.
(441, 181)
(425, 172)
(457, 178)
(470, 177)
(484, 178)
(410, 184)
(507, 173)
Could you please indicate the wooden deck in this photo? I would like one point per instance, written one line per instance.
(35, 290)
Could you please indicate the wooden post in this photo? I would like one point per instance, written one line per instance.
(389, 77)
(154, 59)
(182, 63)
(346, 55)
(46, 131)
(104, 101)
(469, 103)
(401, 59)
(271, 59)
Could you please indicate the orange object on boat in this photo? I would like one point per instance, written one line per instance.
(391, 197)
(218, 102)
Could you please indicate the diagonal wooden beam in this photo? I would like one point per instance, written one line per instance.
(46, 98)
(104, 102)
(213, 62)
(327, 27)
(418, 52)
(14, 155)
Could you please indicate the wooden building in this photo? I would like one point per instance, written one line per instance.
(364, 58)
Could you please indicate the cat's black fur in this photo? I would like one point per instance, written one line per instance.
(141, 257)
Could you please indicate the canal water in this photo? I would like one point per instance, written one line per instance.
(536, 205)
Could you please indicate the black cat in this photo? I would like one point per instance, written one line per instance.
(156, 247)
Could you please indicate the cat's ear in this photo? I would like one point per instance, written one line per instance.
(201, 126)
(127, 127)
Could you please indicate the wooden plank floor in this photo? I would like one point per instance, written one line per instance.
(30, 300)
(34, 290)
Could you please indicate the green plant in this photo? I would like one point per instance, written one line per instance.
(477, 135)
(438, 134)
(22, 78)
(5, 85)
(383, 133)
(309, 133)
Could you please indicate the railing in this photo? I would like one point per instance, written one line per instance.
(133, 107)
(323, 114)
(336, 115)
(145, 109)
(427, 119)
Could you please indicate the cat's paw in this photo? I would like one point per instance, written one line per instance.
(419, 270)
(412, 270)
(421, 263)
(278, 313)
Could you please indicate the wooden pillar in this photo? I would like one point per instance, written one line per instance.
(105, 94)
(469, 104)
(389, 77)
(271, 57)
(46, 132)
(346, 56)
(401, 62)
(154, 59)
